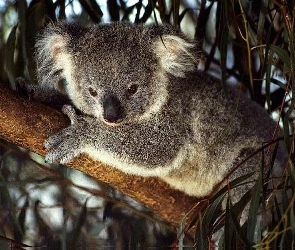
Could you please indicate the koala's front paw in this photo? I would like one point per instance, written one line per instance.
(67, 143)
(71, 113)
(24, 88)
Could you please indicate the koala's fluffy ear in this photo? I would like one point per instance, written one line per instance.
(175, 55)
(52, 56)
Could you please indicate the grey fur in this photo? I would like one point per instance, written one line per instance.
(177, 125)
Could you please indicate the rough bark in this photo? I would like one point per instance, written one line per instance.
(28, 123)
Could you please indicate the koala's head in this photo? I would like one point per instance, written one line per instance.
(116, 72)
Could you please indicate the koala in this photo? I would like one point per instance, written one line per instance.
(138, 103)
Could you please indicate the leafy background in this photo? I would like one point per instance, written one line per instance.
(250, 43)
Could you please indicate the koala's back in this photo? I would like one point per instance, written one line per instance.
(226, 130)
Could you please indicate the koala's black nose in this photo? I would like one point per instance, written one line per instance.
(112, 109)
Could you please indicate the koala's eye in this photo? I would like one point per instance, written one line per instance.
(92, 91)
(132, 89)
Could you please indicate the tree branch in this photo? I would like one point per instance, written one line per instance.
(28, 123)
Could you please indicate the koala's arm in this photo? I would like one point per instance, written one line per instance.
(134, 148)
(51, 97)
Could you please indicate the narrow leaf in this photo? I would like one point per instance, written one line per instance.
(80, 223)
(254, 205)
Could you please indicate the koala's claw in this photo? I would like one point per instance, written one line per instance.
(70, 112)
(58, 138)
(61, 154)
(65, 144)
(63, 148)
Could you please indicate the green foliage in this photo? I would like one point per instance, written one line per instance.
(251, 42)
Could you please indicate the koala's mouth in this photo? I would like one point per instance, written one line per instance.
(113, 124)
